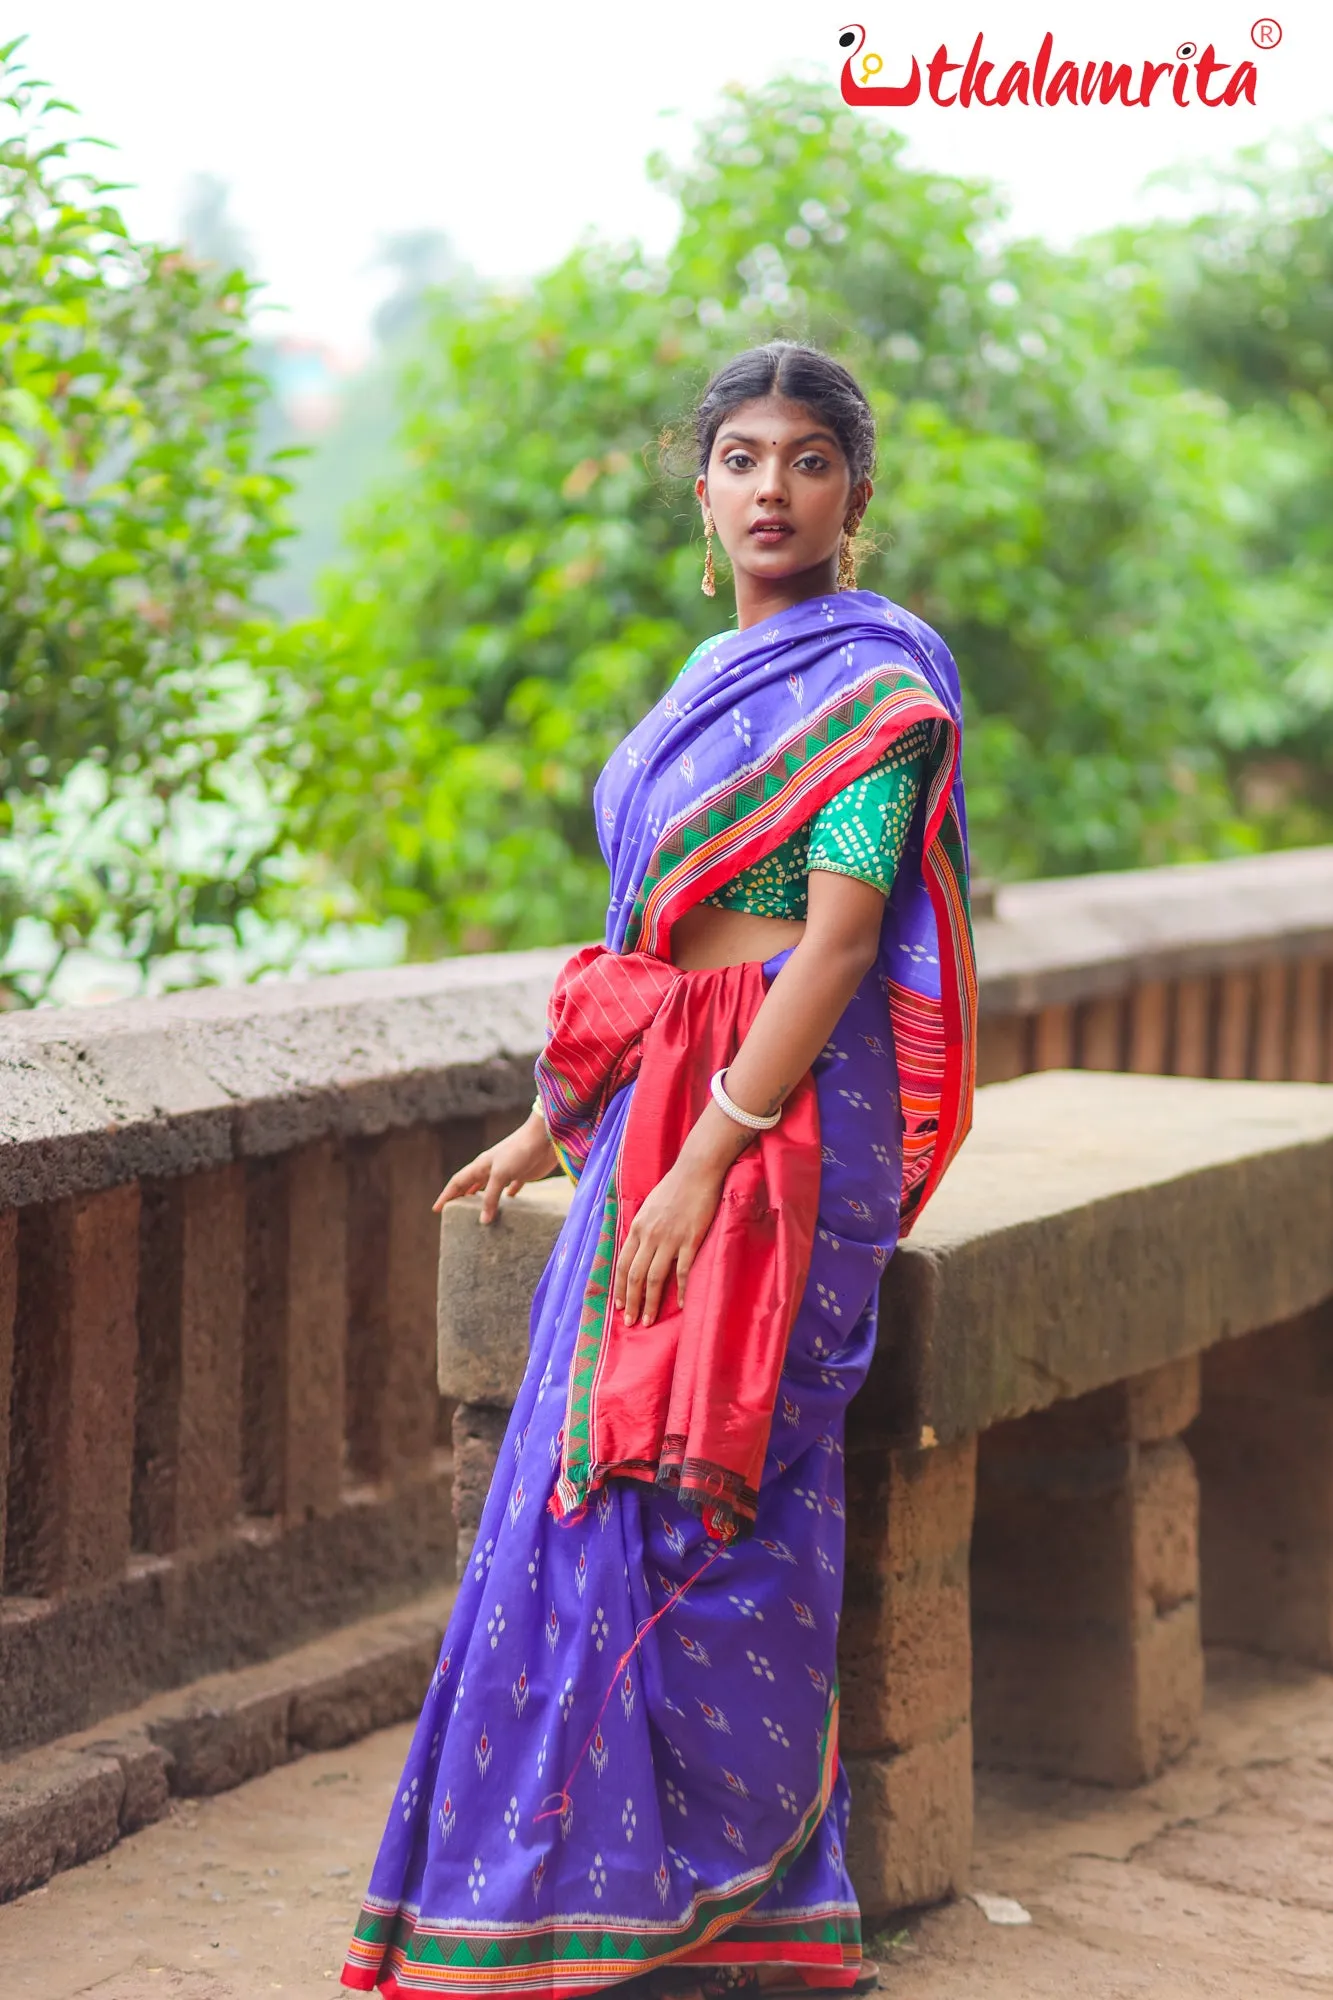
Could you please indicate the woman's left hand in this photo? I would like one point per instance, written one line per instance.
(664, 1237)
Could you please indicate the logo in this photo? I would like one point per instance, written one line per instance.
(1193, 76)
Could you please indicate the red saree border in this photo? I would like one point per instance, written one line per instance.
(529, 1971)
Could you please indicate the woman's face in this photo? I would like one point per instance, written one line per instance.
(779, 489)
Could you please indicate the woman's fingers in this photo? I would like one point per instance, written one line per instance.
(659, 1270)
(643, 1271)
(465, 1181)
(631, 1270)
(620, 1282)
(490, 1194)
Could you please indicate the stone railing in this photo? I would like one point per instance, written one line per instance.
(1223, 969)
(1034, 1552)
(220, 1434)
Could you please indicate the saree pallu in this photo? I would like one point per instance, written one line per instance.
(688, 1401)
(627, 1755)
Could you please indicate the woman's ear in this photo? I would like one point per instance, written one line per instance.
(701, 489)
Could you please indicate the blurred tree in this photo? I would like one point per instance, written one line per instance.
(135, 518)
(1240, 299)
(1076, 517)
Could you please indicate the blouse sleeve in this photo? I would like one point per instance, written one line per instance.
(863, 829)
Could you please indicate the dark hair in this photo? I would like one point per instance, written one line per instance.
(802, 375)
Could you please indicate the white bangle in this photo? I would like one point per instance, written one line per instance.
(753, 1121)
(540, 1111)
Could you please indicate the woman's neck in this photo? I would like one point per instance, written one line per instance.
(759, 597)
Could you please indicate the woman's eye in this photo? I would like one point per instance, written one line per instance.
(812, 461)
(739, 461)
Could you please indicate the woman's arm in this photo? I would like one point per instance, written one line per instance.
(799, 1013)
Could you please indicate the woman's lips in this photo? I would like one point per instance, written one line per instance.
(770, 531)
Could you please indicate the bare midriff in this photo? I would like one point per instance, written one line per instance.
(706, 937)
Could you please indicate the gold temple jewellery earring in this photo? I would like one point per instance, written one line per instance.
(847, 555)
(709, 584)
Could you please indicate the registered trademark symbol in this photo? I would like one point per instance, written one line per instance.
(1266, 33)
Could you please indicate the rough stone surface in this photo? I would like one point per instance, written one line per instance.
(392, 1251)
(478, 1434)
(191, 1313)
(1082, 938)
(1085, 1571)
(486, 1282)
(146, 1769)
(904, 1644)
(1095, 1227)
(161, 1087)
(1264, 1448)
(8, 1299)
(911, 1831)
(1110, 1708)
(1209, 1884)
(74, 1799)
(385, 1681)
(72, 1413)
(211, 1749)
(295, 1332)
(56, 1809)
(252, 1594)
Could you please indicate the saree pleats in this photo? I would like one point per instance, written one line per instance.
(578, 1803)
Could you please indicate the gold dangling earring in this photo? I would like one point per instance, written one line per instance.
(847, 556)
(709, 584)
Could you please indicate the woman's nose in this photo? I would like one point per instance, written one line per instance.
(772, 486)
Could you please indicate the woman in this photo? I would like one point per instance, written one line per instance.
(627, 1758)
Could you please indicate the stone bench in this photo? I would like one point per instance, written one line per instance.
(1035, 1553)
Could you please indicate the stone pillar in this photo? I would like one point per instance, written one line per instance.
(295, 1333)
(487, 1278)
(72, 1413)
(392, 1252)
(905, 1671)
(1053, 1037)
(478, 1431)
(191, 1324)
(1001, 1047)
(1272, 1027)
(1101, 1034)
(8, 1299)
(1085, 1606)
(1235, 1024)
(1264, 1448)
(1312, 1022)
(1149, 1028)
(1194, 1028)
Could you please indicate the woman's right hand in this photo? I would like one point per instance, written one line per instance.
(526, 1155)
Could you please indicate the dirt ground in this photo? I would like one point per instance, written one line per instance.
(1215, 1880)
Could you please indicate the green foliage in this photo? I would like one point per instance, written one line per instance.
(1241, 299)
(1082, 514)
(141, 761)
(1106, 477)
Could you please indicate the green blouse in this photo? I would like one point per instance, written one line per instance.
(861, 832)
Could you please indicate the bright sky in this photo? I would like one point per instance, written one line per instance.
(516, 128)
